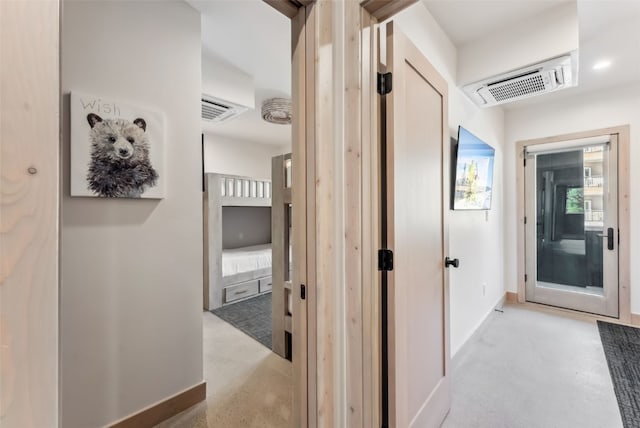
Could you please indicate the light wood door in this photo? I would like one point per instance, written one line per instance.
(416, 191)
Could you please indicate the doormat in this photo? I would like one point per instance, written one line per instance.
(622, 348)
(251, 316)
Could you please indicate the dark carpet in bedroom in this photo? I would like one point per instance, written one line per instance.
(622, 348)
(251, 316)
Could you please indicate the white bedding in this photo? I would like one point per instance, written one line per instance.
(246, 259)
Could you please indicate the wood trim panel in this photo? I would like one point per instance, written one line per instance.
(286, 7)
(624, 218)
(330, 240)
(371, 351)
(301, 354)
(29, 213)
(385, 9)
(511, 297)
(289, 8)
(635, 320)
(353, 249)
(520, 214)
(307, 152)
(624, 222)
(157, 413)
(327, 202)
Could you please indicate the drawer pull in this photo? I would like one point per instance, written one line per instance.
(240, 292)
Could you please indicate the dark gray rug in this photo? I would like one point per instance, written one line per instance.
(251, 316)
(622, 349)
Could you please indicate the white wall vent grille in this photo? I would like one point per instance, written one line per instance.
(217, 110)
(526, 82)
(514, 88)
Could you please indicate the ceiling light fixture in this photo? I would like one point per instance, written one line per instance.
(277, 110)
(600, 65)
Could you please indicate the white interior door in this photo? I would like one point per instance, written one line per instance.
(416, 190)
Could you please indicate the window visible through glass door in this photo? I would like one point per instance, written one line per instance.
(571, 231)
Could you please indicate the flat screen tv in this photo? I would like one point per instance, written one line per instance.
(473, 173)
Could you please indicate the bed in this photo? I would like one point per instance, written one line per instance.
(246, 259)
(233, 272)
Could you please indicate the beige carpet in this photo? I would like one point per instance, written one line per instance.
(248, 386)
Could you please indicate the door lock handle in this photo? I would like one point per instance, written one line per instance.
(451, 262)
(610, 238)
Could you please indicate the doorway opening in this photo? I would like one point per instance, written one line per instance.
(246, 119)
(575, 222)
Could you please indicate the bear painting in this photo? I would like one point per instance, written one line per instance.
(116, 149)
(120, 165)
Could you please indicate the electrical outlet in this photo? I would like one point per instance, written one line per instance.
(484, 288)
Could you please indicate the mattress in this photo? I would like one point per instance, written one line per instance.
(246, 259)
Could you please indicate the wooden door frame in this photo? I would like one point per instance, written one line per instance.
(320, 400)
(624, 220)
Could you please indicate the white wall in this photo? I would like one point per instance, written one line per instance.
(223, 80)
(473, 238)
(131, 270)
(230, 156)
(520, 44)
(619, 106)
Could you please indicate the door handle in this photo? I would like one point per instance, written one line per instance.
(451, 262)
(610, 238)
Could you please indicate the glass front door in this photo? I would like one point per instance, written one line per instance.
(572, 227)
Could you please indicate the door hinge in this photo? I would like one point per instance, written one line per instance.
(525, 277)
(525, 220)
(385, 260)
(384, 83)
(303, 292)
(525, 161)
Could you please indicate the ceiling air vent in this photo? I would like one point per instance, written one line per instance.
(217, 110)
(537, 79)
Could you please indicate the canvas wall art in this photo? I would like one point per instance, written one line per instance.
(117, 149)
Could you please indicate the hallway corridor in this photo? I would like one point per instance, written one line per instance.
(528, 368)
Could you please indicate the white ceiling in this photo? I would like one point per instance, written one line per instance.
(254, 37)
(609, 29)
(467, 20)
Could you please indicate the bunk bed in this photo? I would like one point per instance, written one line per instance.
(282, 256)
(233, 272)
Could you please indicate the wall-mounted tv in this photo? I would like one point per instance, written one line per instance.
(473, 173)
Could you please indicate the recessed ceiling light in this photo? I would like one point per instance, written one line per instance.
(601, 64)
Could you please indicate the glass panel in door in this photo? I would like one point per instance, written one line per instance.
(571, 197)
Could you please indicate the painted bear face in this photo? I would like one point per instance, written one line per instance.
(118, 139)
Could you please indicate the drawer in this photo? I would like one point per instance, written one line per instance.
(240, 291)
(265, 284)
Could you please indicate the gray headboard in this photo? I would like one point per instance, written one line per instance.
(245, 226)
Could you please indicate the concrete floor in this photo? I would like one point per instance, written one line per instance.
(522, 369)
(527, 369)
(248, 386)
